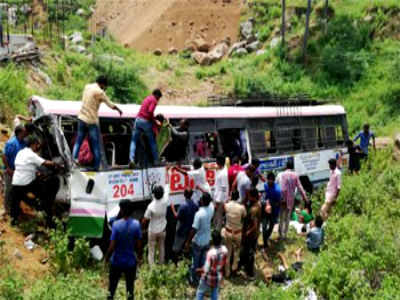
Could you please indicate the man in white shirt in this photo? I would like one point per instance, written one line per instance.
(156, 214)
(221, 192)
(198, 175)
(243, 183)
(332, 189)
(25, 181)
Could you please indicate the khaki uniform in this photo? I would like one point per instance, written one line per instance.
(232, 233)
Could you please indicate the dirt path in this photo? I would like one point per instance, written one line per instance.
(149, 24)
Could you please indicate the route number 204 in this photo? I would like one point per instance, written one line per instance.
(123, 190)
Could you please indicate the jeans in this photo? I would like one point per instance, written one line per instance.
(247, 257)
(146, 127)
(204, 288)
(268, 223)
(156, 239)
(94, 140)
(115, 276)
(198, 260)
(284, 220)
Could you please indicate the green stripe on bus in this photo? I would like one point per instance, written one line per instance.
(86, 226)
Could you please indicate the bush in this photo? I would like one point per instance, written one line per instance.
(164, 282)
(11, 285)
(84, 286)
(62, 260)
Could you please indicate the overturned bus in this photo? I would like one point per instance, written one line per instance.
(307, 135)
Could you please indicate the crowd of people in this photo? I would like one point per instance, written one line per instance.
(220, 226)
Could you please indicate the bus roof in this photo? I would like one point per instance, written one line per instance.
(71, 108)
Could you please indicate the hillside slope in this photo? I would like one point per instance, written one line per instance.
(149, 24)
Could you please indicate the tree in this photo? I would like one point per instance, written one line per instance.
(283, 29)
(307, 29)
(326, 15)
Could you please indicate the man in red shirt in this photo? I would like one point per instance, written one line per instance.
(144, 123)
(233, 170)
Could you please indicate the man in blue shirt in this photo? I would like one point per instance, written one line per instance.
(11, 149)
(365, 136)
(270, 207)
(315, 238)
(125, 238)
(185, 217)
(201, 235)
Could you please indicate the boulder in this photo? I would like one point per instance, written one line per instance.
(111, 58)
(80, 12)
(383, 142)
(76, 38)
(246, 29)
(274, 42)
(157, 52)
(172, 51)
(218, 52)
(253, 47)
(201, 58)
(78, 48)
(201, 45)
(261, 52)
(240, 52)
(368, 18)
(236, 46)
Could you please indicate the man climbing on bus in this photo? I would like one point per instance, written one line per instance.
(88, 121)
(144, 124)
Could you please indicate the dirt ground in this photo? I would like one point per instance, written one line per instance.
(146, 25)
(29, 263)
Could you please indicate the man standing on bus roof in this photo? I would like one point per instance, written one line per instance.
(332, 189)
(144, 123)
(365, 136)
(88, 119)
(221, 192)
(289, 182)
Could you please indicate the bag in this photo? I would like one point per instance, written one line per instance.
(85, 154)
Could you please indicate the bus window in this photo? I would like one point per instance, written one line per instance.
(233, 142)
(269, 141)
(339, 136)
(204, 145)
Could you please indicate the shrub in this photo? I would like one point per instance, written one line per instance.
(62, 260)
(11, 284)
(164, 282)
(83, 286)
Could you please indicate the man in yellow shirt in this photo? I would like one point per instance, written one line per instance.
(88, 120)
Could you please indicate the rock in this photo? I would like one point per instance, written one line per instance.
(80, 12)
(157, 52)
(46, 78)
(240, 52)
(78, 48)
(261, 52)
(236, 46)
(76, 38)
(201, 45)
(275, 42)
(369, 18)
(18, 254)
(172, 51)
(246, 29)
(253, 47)
(383, 142)
(28, 47)
(218, 52)
(201, 58)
